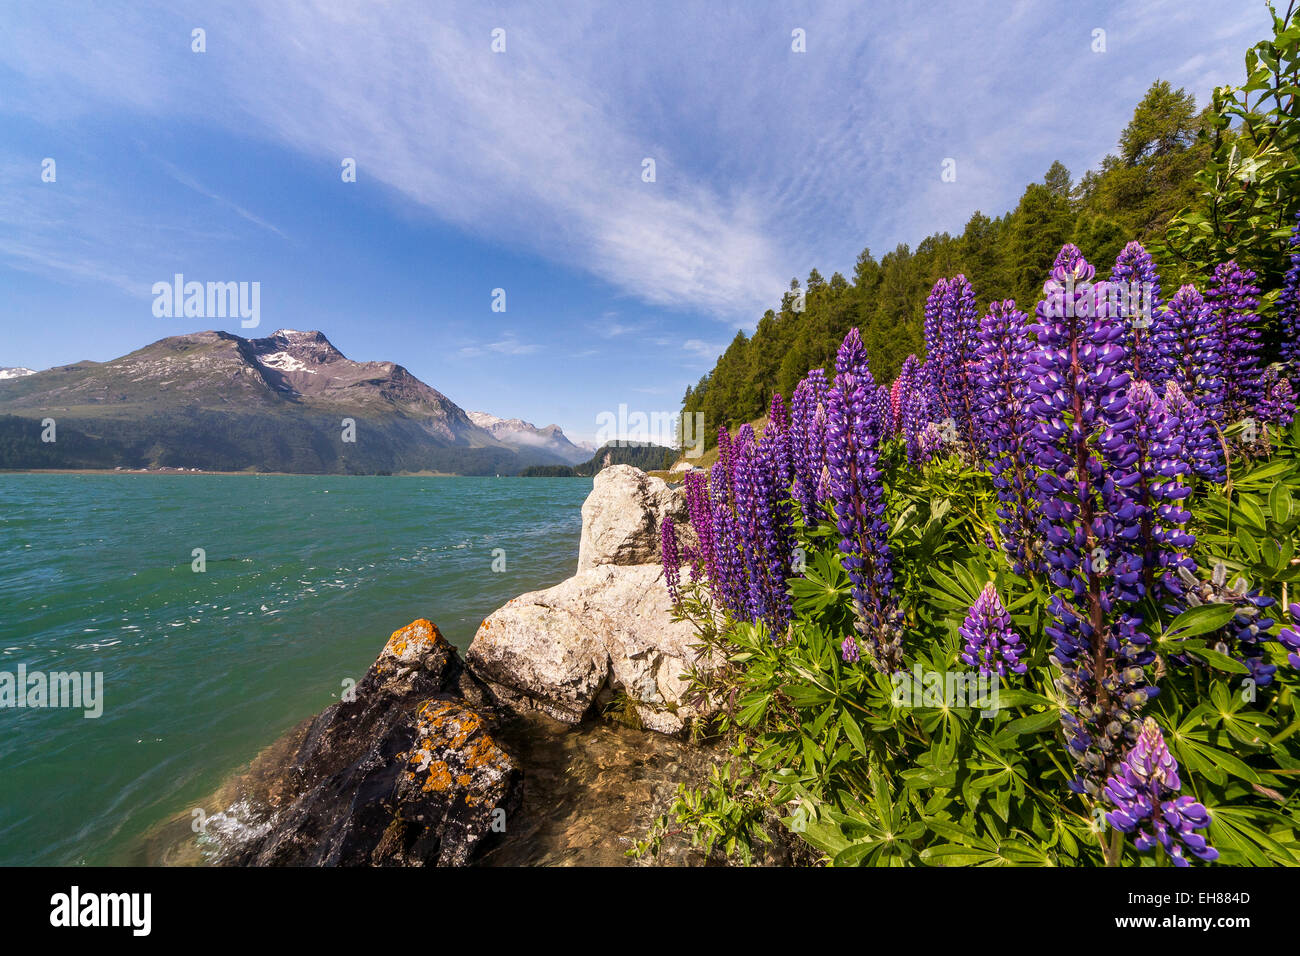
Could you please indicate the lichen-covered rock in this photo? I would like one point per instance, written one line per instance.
(622, 516)
(404, 773)
(604, 631)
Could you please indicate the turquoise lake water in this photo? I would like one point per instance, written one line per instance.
(306, 577)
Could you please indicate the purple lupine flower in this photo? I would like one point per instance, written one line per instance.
(853, 432)
(929, 442)
(1242, 638)
(1290, 636)
(672, 560)
(1196, 435)
(1065, 261)
(765, 541)
(991, 643)
(880, 396)
(1248, 632)
(1002, 374)
(1079, 390)
(730, 589)
(1145, 448)
(777, 414)
(778, 433)
(724, 465)
(1277, 406)
(935, 343)
(1187, 352)
(1186, 349)
(914, 408)
(1138, 791)
(808, 441)
(824, 484)
(699, 508)
(1137, 283)
(744, 440)
(959, 326)
(1233, 298)
(849, 650)
(1288, 306)
(747, 479)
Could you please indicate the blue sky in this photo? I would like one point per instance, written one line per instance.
(522, 170)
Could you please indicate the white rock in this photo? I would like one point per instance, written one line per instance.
(537, 653)
(605, 630)
(622, 516)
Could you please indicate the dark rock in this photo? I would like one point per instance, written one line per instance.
(406, 773)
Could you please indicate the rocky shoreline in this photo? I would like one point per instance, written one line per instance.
(503, 758)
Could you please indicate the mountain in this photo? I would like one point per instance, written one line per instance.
(217, 401)
(15, 372)
(526, 437)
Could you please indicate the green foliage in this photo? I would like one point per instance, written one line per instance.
(643, 455)
(547, 471)
(1248, 191)
(832, 754)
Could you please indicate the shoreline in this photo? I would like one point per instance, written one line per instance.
(179, 472)
(586, 790)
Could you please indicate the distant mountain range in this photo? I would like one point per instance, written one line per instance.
(525, 436)
(290, 402)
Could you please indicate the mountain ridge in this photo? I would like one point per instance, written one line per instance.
(520, 435)
(289, 402)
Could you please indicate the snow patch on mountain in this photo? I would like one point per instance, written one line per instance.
(284, 362)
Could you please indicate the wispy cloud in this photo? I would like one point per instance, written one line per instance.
(508, 344)
(767, 161)
(612, 330)
(701, 350)
(189, 182)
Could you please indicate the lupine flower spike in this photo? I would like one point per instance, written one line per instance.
(1288, 307)
(990, 643)
(1234, 298)
(672, 560)
(854, 429)
(1137, 285)
(1144, 795)
(1079, 387)
(1002, 372)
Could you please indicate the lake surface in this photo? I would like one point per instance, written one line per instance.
(305, 579)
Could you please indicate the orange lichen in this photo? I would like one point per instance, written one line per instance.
(484, 753)
(439, 777)
(418, 635)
